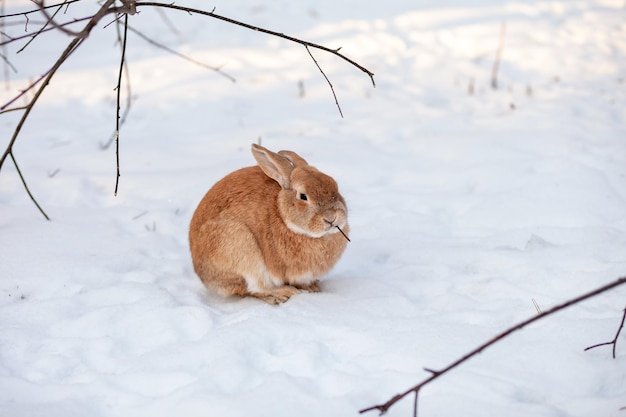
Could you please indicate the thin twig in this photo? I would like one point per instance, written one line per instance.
(614, 341)
(328, 81)
(259, 29)
(128, 93)
(383, 408)
(42, 29)
(13, 109)
(119, 89)
(19, 172)
(23, 92)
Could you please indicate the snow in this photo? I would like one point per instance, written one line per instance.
(466, 203)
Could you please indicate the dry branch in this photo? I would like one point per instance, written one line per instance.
(119, 92)
(123, 117)
(128, 7)
(614, 341)
(384, 407)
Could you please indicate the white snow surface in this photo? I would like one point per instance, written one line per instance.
(465, 204)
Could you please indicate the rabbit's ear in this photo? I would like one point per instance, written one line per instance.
(295, 159)
(275, 166)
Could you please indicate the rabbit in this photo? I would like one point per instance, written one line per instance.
(269, 231)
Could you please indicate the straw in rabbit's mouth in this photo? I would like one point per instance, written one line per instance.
(344, 235)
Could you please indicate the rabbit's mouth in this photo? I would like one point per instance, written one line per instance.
(334, 227)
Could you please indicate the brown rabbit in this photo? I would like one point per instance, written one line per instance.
(270, 230)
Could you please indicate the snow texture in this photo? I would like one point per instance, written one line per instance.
(466, 203)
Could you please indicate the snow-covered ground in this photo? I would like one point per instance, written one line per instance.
(466, 203)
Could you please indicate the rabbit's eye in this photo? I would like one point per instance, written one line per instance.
(303, 197)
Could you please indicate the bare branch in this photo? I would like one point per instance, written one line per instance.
(128, 94)
(614, 341)
(117, 118)
(383, 408)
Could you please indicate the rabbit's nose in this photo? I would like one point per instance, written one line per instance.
(330, 222)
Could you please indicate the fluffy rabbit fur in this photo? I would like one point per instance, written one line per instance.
(269, 231)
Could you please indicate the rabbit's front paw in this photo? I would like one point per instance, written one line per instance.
(278, 295)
